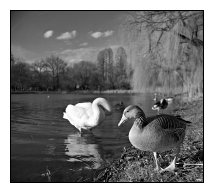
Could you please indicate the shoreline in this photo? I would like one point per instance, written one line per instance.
(96, 92)
(138, 166)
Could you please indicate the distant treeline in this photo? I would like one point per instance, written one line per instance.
(53, 73)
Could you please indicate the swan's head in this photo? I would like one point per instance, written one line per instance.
(132, 111)
(103, 103)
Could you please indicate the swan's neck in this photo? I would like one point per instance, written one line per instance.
(101, 102)
(96, 110)
(97, 105)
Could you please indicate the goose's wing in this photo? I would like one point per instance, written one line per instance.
(168, 125)
(166, 122)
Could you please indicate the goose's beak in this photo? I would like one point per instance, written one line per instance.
(122, 120)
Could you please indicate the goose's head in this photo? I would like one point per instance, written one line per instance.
(132, 111)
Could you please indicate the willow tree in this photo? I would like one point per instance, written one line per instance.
(167, 51)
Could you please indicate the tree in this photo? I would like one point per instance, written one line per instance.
(41, 76)
(100, 66)
(105, 66)
(12, 59)
(121, 66)
(85, 75)
(166, 44)
(20, 76)
(56, 66)
(68, 82)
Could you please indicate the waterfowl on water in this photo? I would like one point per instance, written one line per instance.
(119, 106)
(155, 97)
(87, 115)
(162, 104)
(159, 133)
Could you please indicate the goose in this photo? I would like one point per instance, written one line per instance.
(87, 115)
(162, 104)
(158, 133)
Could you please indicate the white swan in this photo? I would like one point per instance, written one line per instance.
(87, 115)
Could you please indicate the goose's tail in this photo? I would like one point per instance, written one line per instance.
(179, 118)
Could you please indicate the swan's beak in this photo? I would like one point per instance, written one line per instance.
(122, 120)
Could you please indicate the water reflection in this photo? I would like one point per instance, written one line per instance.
(82, 148)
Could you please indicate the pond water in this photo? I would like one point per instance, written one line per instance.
(42, 141)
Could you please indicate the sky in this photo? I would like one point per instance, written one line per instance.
(72, 35)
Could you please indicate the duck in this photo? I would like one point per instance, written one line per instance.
(162, 104)
(155, 97)
(87, 115)
(119, 106)
(155, 134)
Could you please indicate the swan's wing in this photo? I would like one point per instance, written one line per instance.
(76, 115)
(86, 105)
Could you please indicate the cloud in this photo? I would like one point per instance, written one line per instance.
(98, 34)
(85, 53)
(24, 54)
(76, 55)
(67, 35)
(84, 44)
(48, 34)
(108, 33)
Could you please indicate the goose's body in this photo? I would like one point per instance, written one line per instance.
(156, 134)
(162, 104)
(87, 115)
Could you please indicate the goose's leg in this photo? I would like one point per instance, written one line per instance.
(171, 167)
(157, 168)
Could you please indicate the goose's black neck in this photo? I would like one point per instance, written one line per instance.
(141, 119)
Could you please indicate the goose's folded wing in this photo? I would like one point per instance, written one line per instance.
(170, 126)
(166, 122)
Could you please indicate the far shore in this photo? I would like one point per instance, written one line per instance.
(76, 92)
(117, 91)
(181, 96)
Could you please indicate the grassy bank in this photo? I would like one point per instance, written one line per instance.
(137, 166)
